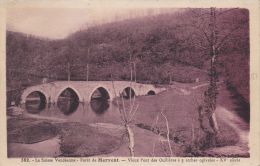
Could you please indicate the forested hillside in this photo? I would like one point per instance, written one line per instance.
(162, 48)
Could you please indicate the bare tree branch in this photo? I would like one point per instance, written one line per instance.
(226, 11)
(226, 37)
(168, 132)
(132, 115)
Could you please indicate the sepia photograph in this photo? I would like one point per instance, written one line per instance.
(127, 82)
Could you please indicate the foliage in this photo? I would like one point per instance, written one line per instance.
(159, 46)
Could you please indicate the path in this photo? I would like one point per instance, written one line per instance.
(199, 86)
(240, 127)
(234, 121)
(204, 84)
(187, 90)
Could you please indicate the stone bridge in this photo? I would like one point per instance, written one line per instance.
(85, 89)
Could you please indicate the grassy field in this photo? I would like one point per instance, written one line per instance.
(179, 105)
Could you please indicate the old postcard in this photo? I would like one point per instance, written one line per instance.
(130, 82)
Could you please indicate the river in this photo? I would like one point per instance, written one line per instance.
(96, 111)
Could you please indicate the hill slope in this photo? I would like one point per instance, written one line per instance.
(162, 47)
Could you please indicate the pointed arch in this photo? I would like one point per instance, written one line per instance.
(70, 88)
(68, 101)
(100, 92)
(128, 92)
(35, 101)
(151, 92)
(27, 92)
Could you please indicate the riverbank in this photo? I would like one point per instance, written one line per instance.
(33, 137)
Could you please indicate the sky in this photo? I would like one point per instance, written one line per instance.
(58, 23)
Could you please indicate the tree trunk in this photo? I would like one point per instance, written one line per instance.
(131, 139)
(68, 70)
(213, 123)
(213, 74)
(87, 72)
(135, 70)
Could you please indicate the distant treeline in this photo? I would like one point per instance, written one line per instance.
(158, 49)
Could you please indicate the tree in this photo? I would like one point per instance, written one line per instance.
(209, 35)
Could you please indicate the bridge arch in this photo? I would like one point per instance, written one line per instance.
(103, 90)
(128, 92)
(30, 91)
(70, 88)
(151, 92)
(35, 101)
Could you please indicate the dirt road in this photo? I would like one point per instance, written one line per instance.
(240, 149)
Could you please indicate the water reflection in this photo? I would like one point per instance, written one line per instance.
(68, 101)
(99, 100)
(92, 112)
(99, 105)
(67, 106)
(35, 102)
(98, 110)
